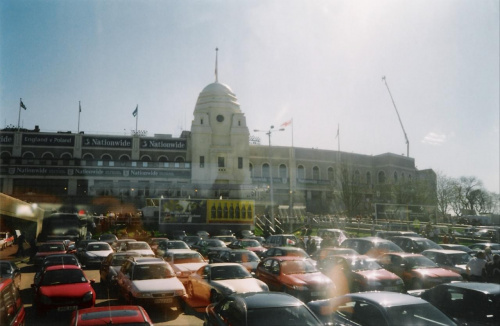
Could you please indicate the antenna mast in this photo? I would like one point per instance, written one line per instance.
(404, 132)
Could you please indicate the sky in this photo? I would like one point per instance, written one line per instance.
(319, 63)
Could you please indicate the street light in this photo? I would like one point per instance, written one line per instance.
(268, 133)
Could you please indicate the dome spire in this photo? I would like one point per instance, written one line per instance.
(216, 73)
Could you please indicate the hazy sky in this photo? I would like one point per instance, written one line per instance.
(318, 62)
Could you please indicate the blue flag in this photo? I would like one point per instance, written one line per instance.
(136, 111)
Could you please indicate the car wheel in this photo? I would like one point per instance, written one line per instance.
(190, 290)
(214, 296)
(416, 284)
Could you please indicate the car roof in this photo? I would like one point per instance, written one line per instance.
(148, 260)
(104, 313)
(409, 237)
(256, 300)
(57, 267)
(387, 299)
(368, 239)
(283, 258)
(490, 288)
(445, 251)
(402, 254)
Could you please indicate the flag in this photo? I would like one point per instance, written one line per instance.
(22, 105)
(79, 107)
(286, 123)
(136, 111)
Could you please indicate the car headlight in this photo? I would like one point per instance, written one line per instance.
(45, 299)
(88, 296)
(180, 293)
(143, 295)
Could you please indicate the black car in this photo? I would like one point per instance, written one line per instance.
(261, 308)
(469, 303)
(204, 246)
(414, 244)
(9, 269)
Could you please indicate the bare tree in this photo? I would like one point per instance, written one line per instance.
(444, 193)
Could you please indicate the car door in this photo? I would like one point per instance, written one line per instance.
(104, 270)
(201, 283)
(124, 279)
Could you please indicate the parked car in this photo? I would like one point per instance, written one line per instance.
(414, 244)
(12, 311)
(227, 239)
(371, 246)
(456, 246)
(454, 260)
(149, 281)
(468, 303)
(261, 308)
(177, 234)
(360, 273)
(213, 282)
(322, 253)
(48, 248)
(166, 245)
(288, 251)
(388, 234)
(483, 245)
(336, 235)
(153, 243)
(140, 247)
(244, 234)
(63, 288)
(250, 244)
(9, 269)
(110, 238)
(184, 262)
(6, 240)
(120, 244)
(245, 257)
(203, 234)
(51, 260)
(378, 309)
(295, 276)
(95, 253)
(111, 315)
(205, 245)
(111, 265)
(191, 239)
(279, 240)
(416, 270)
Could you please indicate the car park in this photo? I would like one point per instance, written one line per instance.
(9, 269)
(213, 282)
(454, 260)
(278, 240)
(371, 246)
(111, 315)
(149, 281)
(166, 245)
(245, 257)
(416, 270)
(140, 247)
(468, 303)
(295, 276)
(261, 308)
(63, 288)
(205, 245)
(378, 309)
(184, 262)
(360, 273)
(48, 248)
(414, 244)
(250, 244)
(111, 265)
(95, 253)
(12, 311)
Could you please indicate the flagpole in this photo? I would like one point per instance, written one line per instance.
(136, 118)
(79, 112)
(19, 118)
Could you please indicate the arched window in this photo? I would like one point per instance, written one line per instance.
(356, 176)
(66, 155)
(301, 172)
(403, 177)
(316, 173)
(368, 178)
(28, 155)
(47, 155)
(409, 178)
(395, 177)
(146, 158)
(381, 177)
(106, 157)
(124, 158)
(179, 159)
(5, 155)
(331, 175)
(87, 156)
(283, 171)
(265, 170)
(250, 167)
(163, 158)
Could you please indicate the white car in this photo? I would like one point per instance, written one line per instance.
(148, 280)
(140, 247)
(94, 253)
(184, 262)
(213, 282)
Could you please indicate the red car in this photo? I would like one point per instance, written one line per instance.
(12, 311)
(111, 315)
(49, 248)
(63, 288)
(416, 270)
(296, 276)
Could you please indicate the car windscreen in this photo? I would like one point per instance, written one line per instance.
(51, 247)
(277, 316)
(418, 314)
(63, 276)
(459, 259)
(98, 247)
(137, 246)
(416, 262)
(243, 257)
(364, 265)
(183, 258)
(297, 267)
(151, 272)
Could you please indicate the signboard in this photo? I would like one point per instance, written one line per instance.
(163, 144)
(6, 139)
(113, 142)
(48, 140)
(174, 210)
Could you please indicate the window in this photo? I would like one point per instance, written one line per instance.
(331, 175)
(250, 167)
(240, 162)
(202, 161)
(368, 178)
(221, 162)
(381, 177)
(395, 177)
(201, 121)
(265, 170)
(301, 173)
(283, 171)
(356, 177)
(316, 173)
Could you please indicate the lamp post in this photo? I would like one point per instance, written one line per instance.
(268, 133)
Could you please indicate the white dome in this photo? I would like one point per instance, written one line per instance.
(217, 96)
